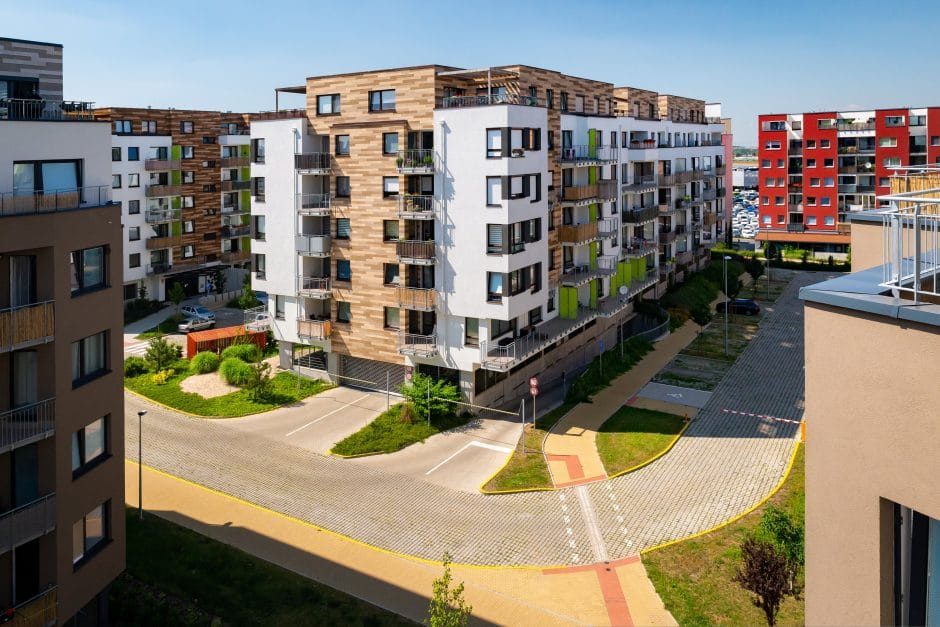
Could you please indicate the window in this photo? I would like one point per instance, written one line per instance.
(779, 201)
(811, 144)
(501, 327)
(811, 201)
(814, 182)
(765, 219)
(257, 188)
(890, 162)
(382, 100)
(343, 270)
(550, 302)
(781, 219)
(894, 120)
(829, 220)
(535, 316)
(89, 358)
(133, 180)
(342, 145)
(188, 226)
(828, 181)
(89, 444)
(186, 127)
(259, 264)
(471, 331)
(90, 533)
(494, 287)
(133, 207)
(133, 260)
(390, 274)
(342, 228)
(133, 233)
(884, 181)
(133, 153)
(392, 318)
(824, 143)
(765, 200)
(935, 140)
(390, 230)
(115, 154)
(550, 98)
(209, 139)
(342, 187)
(189, 176)
(343, 311)
(494, 143)
(122, 126)
(772, 145)
(88, 269)
(258, 227)
(389, 143)
(328, 104)
(825, 201)
(811, 220)
(769, 181)
(188, 152)
(188, 251)
(779, 163)
(887, 142)
(257, 150)
(810, 163)
(765, 163)
(564, 101)
(279, 303)
(389, 186)
(495, 239)
(116, 181)
(188, 202)
(148, 127)
(494, 191)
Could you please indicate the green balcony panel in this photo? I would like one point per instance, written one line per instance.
(176, 152)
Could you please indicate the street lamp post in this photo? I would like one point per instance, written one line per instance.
(140, 464)
(724, 264)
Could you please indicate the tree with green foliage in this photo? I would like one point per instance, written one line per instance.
(176, 295)
(218, 280)
(764, 572)
(441, 392)
(259, 383)
(248, 299)
(754, 267)
(448, 608)
(162, 354)
(786, 534)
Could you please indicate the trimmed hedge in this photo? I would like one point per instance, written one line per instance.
(135, 366)
(235, 371)
(246, 352)
(204, 362)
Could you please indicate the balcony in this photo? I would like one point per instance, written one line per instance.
(667, 236)
(588, 155)
(415, 252)
(577, 233)
(315, 287)
(615, 303)
(842, 126)
(639, 215)
(639, 247)
(684, 257)
(640, 183)
(313, 163)
(241, 230)
(719, 170)
(25, 203)
(235, 256)
(856, 189)
(709, 194)
(415, 162)
(459, 102)
(607, 227)
(796, 227)
(27, 424)
(27, 325)
(27, 522)
(417, 298)
(668, 208)
(158, 216)
(156, 191)
(601, 191)
(679, 178)
(314, 204)
(318, 330)
(412, 207)
(234, 162)
(156, 243)
(313, 245)
(844, 228)
(644, 144)
(158, 268)
(579, 275)
(795, 208)
(39, 611)
(709, 219)
(234, 186)
(159, 165)
(32, 109)
(229, 208)
(417, 345)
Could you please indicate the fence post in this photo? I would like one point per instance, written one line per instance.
(387, 401)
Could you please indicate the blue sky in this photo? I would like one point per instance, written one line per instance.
(754, 57)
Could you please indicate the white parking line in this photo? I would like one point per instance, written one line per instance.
(492, 447)
(313, 422)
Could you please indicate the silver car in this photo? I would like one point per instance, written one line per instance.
(195, 324)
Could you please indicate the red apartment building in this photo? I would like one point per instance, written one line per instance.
(816, 168)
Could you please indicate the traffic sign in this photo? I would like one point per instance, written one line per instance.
(600, 345)
(534, 391)
(534, 382)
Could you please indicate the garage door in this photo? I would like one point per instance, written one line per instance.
(370, 374)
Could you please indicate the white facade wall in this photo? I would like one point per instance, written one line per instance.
(88, 141)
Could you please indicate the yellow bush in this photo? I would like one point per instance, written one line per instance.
(161, 377)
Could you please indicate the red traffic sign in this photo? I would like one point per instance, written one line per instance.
(533, 382)
(534, 391)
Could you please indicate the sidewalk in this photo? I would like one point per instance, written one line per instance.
(618, 593)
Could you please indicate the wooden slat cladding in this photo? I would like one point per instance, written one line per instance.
(672, 107)
(26, 324)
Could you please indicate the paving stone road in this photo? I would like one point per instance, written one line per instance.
(723, 465)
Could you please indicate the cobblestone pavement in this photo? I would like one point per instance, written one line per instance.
(723, 465)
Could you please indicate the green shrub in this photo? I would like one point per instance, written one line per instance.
(417, 391)
(135, 366)
(161, 354)
(245, 352)
(161, 377)
(204, 362)
(235, 371)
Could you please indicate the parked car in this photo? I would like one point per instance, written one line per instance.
(195, 324)
(745, 306)
(196, 311)
(259, 322)
(262, 298)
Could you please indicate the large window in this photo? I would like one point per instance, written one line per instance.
(88, 269)
(343, 270)
(494, 191)
(389, 186)
(90, 533)
(392, 318)
(382, 100)
(133, 153)
(390, 230)
(916, 549)
(494, 143)
(116, 154)
(494, 286)
(328, 104)
(89, 444)
(343, 312)
(186, 127)
(471, 333)
(342, 145)
(391, 274)
(89, 358)
(342, 187)
(389, 143)
(46, 176)
(257, 150)
(342, 228)
(122, 126)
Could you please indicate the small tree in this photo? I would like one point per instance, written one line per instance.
(764, 573)
(786, 534)
(161, 354)
(142, 293)
(754, 267)
(176, 294)
(248, 299)
(448, 608)
(218, 279)
(416, 392)
(804, 256)
(259, 384)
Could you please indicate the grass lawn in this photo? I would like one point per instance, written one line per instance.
(170, 325)
(694, 578)
(710, 343)
(230, 405)
(634, 435)
(387, 433)
(178, 577)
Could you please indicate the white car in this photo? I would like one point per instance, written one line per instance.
(195, 324)
(196, 311)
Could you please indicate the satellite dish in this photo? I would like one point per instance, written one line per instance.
(624, 290)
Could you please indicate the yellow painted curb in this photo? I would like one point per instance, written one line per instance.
(655, 457)
(341, 536)
(786, 475)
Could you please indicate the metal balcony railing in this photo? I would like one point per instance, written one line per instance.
(417, 345)
(158, 165)
(26, 325)
(417, 298)
(33, 109)
(639, 215)
(155, 191)
(234, 186)
(313, 245)
(709, 194)
(579, 275)
(27, 424)
(314, 329)
(415, 251)
(607, 227)
(666, 236)
(314, 204)
(27, 522)
(314, 287)
(157, 216)
(241, 230)
(158, 268)
(454, 102)
(796, 227)
(639, 247)
(39, 611)
(313, 162)
(588, 154)
(235, 256)
(639, 183)
(414, 207)
(415, 161)
(24, 203)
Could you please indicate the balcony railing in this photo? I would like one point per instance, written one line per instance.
(39, 611)
(313, 245)
(844, 228)
(795, 208)
(417, 345)
(314, 329)
(640, 183)
(578, 233)
(667, 236)
(234, 162)
(32, 109)
(412, 207)
(26, 325)
(607, 227)
(314, 287)
(415, 252)
(455, 102)
(24, 203)
(313, 162)
(234, 207)
(639, 215)
(234, 186)
(155, 191)
(796, 227)
(157, 165)
(27, 424)
(158, 268)
(600, 191)
(314, 204)
(241, 230)
(156, 243)
(709, 194)
(668, 180)
(415, 161)
(588, 154)
(235, 256)
(157, 216)
(638, 247)
(855, 126)
(418, 298)
(720, 170)
(684, 257)
(579, 275)
(644, 144)
(27, 522)
(709, 219)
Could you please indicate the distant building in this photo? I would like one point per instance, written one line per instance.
(744, 177)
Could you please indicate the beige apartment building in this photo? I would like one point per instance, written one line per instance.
(872, 452)
(61, 408)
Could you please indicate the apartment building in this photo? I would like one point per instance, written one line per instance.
(181, 178)
(815, 169)
(872, 345)
(61, 411)
(484, 225)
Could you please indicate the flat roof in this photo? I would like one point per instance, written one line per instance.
(30, 41)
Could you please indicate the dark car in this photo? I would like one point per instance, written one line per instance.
(745, 306)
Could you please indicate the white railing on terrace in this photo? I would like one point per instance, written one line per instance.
(27, 424)
(452, 102)
(27, 522)
(912, 243)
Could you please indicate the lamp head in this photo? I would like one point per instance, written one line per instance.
(142, 413)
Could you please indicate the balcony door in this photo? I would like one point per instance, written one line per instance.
(25, 379)
(22, 280)
(25, 475)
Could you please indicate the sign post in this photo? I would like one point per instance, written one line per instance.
(522, 413)
(534, 391)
